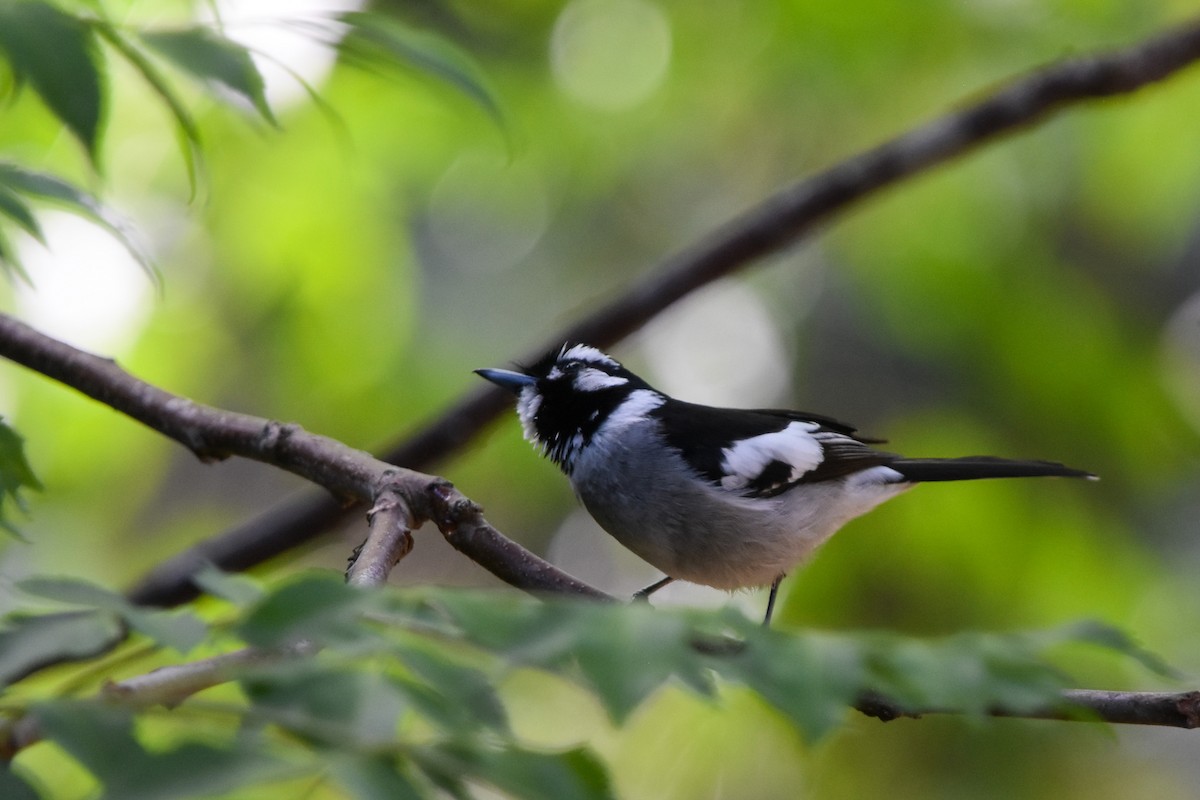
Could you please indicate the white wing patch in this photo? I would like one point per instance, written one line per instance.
(795, 445)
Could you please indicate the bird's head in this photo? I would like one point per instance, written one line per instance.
(564, 400)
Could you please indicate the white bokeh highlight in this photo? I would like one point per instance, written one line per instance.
(283, 39)
(87, 288)
(610, 55)
(718, 346)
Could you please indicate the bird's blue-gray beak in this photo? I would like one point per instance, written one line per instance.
(513, 381)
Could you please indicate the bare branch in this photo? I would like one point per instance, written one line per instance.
(390, 539)
(1165, 709)
(778, 222)
(170, 686)
(463, 525)
(216, 433)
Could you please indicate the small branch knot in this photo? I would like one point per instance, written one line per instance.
(274, 434)
(1189, 707)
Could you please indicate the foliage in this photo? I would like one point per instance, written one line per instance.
(402, 700)
(58, 54)
(15, 474)
(1036, 299)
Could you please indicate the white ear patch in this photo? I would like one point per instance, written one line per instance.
(593, 380)
(795, 445)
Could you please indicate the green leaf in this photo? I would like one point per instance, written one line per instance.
(209, 56)
(180, 630)
(373, 777)
(189, 132)
(625, 654)
(15, 209)
(101, 738)
(9, 260)
(15, 474)
(43, 186)
(372, 38)
(73, 591)
(240, 590)
(1110, 638)
(318, 606)
(57, 54)
(28, 642)
(454, 695)
(812, 679)
(332, 706)
(570, 775)
(14, 787)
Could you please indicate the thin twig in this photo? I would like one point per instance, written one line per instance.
(778, 222)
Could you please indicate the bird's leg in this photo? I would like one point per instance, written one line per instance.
(644, 594)
(771, 599)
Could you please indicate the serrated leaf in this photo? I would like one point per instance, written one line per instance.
(373, 777)
(331, 706)
(371, 36)
(101, 738)
(1110, 638)
(73, 591)
(57, 54)
(9, 261)
(179, 630)
(570, 775)
(43, 186)
(625, 654)
(15, 474)
(318, 607)
(453, 695)
(812, 679)
(28, 642)
(188, 131)
(237, 589)
(207, 55)
(15, 209)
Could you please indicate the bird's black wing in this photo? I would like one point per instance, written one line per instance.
(763, 452)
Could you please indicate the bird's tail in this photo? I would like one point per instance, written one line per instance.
(974, 467)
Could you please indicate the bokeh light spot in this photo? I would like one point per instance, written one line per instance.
(88, 290)
(610, 54)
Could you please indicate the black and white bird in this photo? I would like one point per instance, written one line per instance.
(729, 498)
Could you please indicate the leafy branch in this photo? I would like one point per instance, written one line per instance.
(58, 54)
(403, 499)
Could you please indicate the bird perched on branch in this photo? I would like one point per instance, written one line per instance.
(724, 497)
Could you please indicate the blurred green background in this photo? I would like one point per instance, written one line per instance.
(1038, 299)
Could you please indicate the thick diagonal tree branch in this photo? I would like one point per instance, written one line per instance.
(776, 223)
(405, 498)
